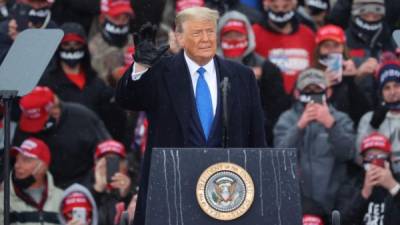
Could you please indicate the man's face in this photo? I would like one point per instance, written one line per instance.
(391, 92)
(120, 20)
(199, 39)
(280, 5)
(371, 17)
(25, 166)
(328, 47)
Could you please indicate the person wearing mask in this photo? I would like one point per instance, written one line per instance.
(331, 57)
(33, 196)
(77, 207)
(368, 35)
(385, 119)
(24, 14)
(181, 96)
(282, 39)
(237, 42)
(107, 46)
(71, 130)
(322, 135)
(375, 197)
(73, 79)
(315, 12)
(112, 190)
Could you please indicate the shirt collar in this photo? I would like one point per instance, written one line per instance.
(193, 66)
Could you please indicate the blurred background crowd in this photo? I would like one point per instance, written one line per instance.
(329, 79)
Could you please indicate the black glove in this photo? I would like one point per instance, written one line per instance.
(378, 116)
(145, 50)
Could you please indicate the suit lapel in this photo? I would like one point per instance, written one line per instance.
(223, 71)
(180, 89)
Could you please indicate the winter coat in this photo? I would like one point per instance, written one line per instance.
(322, 153)
(22, 213)
(72, 143)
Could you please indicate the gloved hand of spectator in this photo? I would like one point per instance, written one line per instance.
(378, 116)
(146, 53)
(100, 176)
(121, 182)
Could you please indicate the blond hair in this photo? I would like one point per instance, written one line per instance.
(195, 13)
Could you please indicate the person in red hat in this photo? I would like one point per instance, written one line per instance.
(33, 198)
(376, 198)
(107, 47)
(71, 130)
(78, 207)
(110, 183)
(331, 57)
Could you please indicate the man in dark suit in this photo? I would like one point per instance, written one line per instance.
(181, 93)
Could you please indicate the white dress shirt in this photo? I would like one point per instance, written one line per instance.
(210, 76)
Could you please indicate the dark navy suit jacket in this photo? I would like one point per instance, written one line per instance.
(165, 92)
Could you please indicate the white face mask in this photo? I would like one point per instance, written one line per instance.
(367, 166)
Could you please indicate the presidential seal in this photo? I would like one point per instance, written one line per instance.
(225, 191)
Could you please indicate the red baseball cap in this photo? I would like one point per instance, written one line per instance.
(234, 25)
(110, 146)
(35, 108)
(185, 4)
(75, 200)
(330, 32)
(34, 148)
(116, 7)
(376, 141)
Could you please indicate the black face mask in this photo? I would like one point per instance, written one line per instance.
(312, 97)
(393, 105)
(280, 19)
(116, 35)
(23, 183)
(71, 57)
(39, 16)
(368, 28)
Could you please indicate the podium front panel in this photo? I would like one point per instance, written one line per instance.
(174, 175)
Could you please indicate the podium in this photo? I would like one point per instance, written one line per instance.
(223, 186)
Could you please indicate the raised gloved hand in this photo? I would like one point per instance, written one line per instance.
(378, 116)
(146, 52)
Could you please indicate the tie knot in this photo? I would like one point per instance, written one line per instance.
(201, 71)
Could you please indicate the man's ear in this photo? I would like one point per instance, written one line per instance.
(329, 92)
(296, 94)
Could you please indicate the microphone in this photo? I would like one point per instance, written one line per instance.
(335, 217)
(396, 37)
(225, 86)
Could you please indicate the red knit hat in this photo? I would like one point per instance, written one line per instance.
(35, 108)
(116, 7)
(376, 141)
(234, 25)
(110, 146)
(75, 200)
(34, 148)
(330, 32)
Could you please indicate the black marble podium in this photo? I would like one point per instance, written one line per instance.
(174, 174)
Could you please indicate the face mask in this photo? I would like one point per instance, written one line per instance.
(39, 16)
(72, 57)
(234, 48)
(280, 19)
(115, 34)
(26, 182)
(367, 166)
(368, 28)
(393, 105)
(312, 97)
(49, 126)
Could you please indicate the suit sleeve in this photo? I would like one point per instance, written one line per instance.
(139, 94)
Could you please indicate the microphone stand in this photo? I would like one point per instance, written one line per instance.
(336, 217)
(225, 86)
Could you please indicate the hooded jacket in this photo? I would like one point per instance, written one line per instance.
(249, 58)
(86, 192)
(22, 213)
(322, 153)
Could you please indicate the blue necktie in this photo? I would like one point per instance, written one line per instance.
(204, 103)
